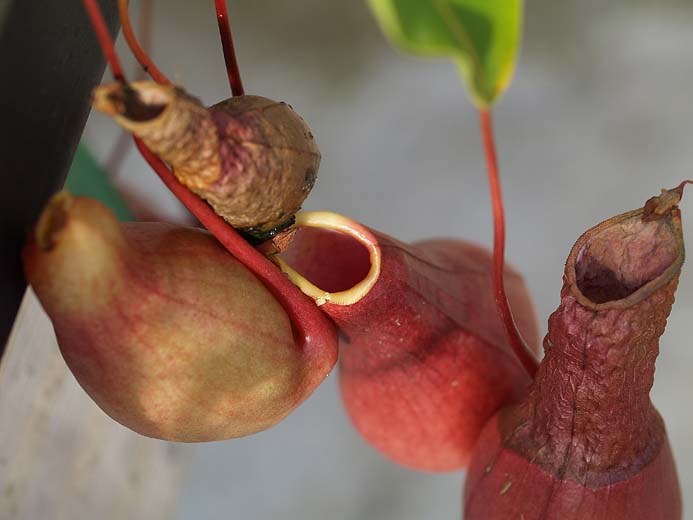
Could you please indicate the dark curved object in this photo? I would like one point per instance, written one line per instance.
(50, 61)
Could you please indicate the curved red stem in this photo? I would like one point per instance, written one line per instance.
(529, 362)
(145, 30)
(105, 39)
(229, 50)
(117, 155)
(139, 52)
(309, 321)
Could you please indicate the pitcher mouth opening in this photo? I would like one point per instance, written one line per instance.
(134, 104)
(624, 259)
(332, 258)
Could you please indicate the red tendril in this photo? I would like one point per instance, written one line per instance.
(302, 311)
(228, 48)
(518, 344)
(140, 54)
(104, 37)
(117, 155)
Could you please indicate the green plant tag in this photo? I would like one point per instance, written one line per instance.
(88, 178)
(481, 36)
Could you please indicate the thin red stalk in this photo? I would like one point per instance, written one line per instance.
(518, 344)
(117, 155)
(104, 37)
(302, 311)
(140, 54)
(145, 30)
(229, 51)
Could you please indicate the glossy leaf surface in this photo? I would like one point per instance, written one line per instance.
(481, 36)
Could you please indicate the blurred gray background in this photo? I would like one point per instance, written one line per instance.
(598, 118)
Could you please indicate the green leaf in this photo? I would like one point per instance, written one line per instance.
(88, 178)
(481, 36)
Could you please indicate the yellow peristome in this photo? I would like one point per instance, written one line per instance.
(341, 224)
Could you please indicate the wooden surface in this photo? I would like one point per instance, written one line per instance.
(61, 457)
